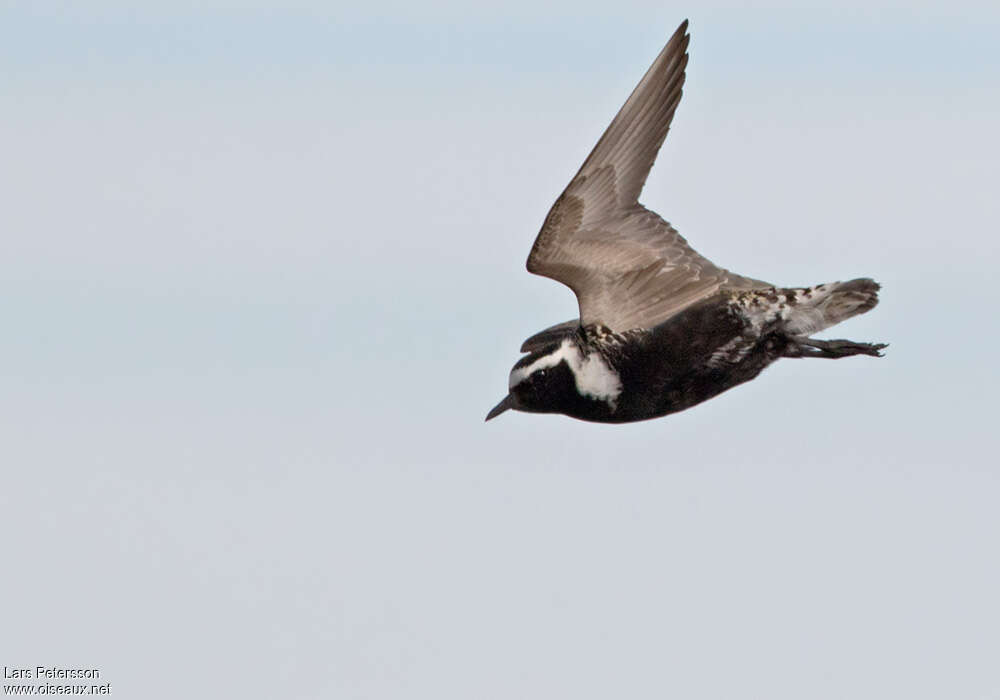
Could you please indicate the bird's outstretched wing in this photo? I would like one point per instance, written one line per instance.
(628, 267)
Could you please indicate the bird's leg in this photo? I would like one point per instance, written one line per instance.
(811, 347)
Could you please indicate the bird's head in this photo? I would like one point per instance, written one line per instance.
(563, 377)
(542, 381)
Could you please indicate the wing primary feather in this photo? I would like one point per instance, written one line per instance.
(628, 267)
(632, 140)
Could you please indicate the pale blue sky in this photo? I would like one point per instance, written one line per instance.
(261, 277)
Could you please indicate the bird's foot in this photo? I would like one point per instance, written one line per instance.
(811, 347)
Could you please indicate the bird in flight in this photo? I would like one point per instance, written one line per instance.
(661, 328)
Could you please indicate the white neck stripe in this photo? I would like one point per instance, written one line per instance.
(593, 376)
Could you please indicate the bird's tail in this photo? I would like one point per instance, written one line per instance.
(813, 309)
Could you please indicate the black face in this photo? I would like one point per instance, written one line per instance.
(545, 390)
(545, 382)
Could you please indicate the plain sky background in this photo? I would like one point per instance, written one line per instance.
(261, 277)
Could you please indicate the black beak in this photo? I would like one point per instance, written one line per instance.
(505, 403)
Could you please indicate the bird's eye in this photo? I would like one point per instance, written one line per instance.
(541, 374)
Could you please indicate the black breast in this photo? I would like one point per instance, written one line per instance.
(692, 357)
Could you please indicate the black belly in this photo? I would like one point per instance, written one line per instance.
(670, 371)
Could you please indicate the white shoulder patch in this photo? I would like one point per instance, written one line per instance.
(593, 376)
